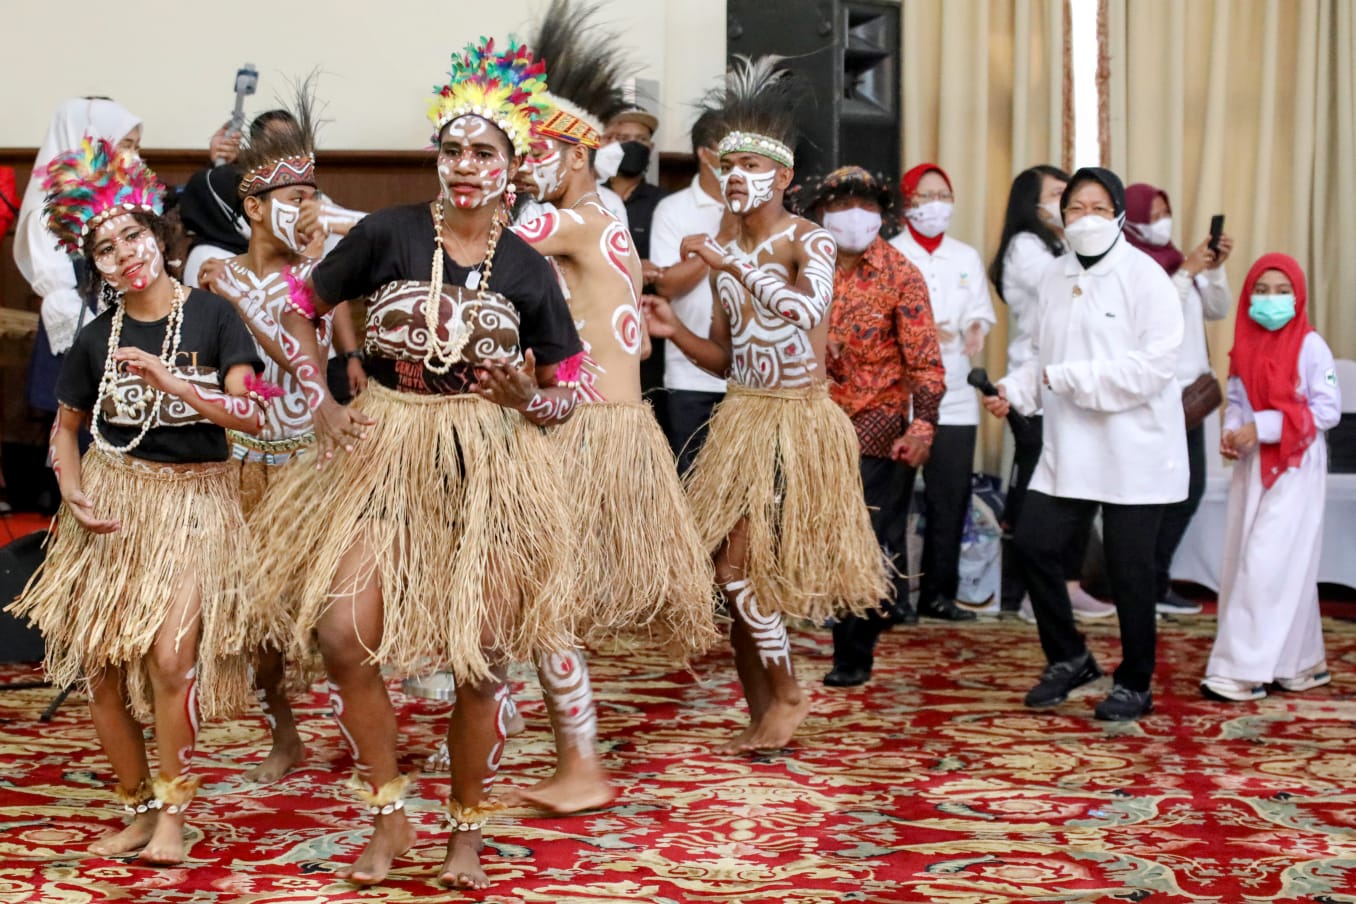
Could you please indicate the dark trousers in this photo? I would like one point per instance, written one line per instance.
(688, 413)
(888, 487)
(1177, 516)
(946, 501)
(1026, 436)
(1129, 535)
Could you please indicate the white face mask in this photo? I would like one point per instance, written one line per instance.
(283, 221)
(1053, 216)
(758, 188)
(853, 229)
(1158, 232)
(608, 160)
(931, 219)
(1092, 235)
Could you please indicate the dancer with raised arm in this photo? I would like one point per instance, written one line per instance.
(776, 488)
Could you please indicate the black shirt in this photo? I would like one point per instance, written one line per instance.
(396, 245)
(212, 341)
(640, 214)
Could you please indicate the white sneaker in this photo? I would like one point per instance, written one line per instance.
(1217, 687)
(1086, 606)
(1307, 679)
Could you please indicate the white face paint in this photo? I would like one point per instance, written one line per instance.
(282, 220)
(752, 190)
(126, 254)
(472, 169)
(541, 175)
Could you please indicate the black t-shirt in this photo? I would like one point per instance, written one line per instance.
(212, 341)
(640, 214)
(396, 244)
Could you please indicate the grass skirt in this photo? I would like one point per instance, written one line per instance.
(460, 503)
(788, 462)
(101, 599)
(643, 571)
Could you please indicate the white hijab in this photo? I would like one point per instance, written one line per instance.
(46, 267)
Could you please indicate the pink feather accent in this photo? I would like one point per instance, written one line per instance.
(256, 385)
(569, 370)
(300, 297)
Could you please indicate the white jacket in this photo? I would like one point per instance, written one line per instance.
(1107, 340)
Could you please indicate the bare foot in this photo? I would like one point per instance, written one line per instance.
(285, 755)
(462, 867)
(571, 792)
(391, 836)
(166, 847)
(778, 724)
(125, 840)
(738, 744)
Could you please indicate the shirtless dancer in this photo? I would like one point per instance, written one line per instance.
(776, 489)
(642, 562)
(277, 180)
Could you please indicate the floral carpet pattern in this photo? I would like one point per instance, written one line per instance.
(931, 783)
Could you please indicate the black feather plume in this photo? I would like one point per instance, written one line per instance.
(583, 65)
(757, 97)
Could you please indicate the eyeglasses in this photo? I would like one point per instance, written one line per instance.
(922, 198)
(1100, 210)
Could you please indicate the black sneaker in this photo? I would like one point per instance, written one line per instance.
(847, 676)
(946, 610)
(1174, 603)
(1059, 678)
(1124, 705)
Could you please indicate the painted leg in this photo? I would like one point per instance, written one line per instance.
(476, 736)
(270, 674)
(125, 746)
(171, 665)
(765, 635)
(350, 627)
(579, 782)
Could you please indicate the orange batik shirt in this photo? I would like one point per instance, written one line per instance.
(884, 350)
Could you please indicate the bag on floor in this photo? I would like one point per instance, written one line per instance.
(981, 564)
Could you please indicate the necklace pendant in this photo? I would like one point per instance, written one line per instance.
(473, 280)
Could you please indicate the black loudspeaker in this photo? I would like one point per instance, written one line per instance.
(18, 641)
(847, 55)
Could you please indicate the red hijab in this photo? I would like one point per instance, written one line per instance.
(908, 185)
(1268, 364)
(1139, 200)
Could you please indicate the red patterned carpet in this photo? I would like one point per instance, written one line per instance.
(931, 784)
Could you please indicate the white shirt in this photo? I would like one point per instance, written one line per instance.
(688, 212)
(614, 204)
(1204, 298)
(1114, 429)
(200, 255)
(1317, 384)
(1024, 263)
(958, 289)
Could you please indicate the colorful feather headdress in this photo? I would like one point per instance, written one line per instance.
(583, 71)
(758, 105)
(282, 153)
(92, 183)
(504, 88)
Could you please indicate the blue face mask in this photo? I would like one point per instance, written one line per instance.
(1272, 312)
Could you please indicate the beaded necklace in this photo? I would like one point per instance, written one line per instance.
(108, 383)
(441, 356)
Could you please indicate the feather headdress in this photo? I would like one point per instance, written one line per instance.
(283, 152)
(758, 107)
(504, 88)
(92, 183)
(583, 73)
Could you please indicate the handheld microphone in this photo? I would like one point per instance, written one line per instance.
(979, 378)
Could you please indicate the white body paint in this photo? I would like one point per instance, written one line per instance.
(759, 188)
(768, 631)
(282, 221)
(565, 679)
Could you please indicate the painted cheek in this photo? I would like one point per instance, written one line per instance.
(445, 167)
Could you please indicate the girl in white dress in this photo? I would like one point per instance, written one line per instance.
(1283, 395)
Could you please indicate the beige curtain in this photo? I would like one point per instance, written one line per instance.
(982, 97)
(1246, 108)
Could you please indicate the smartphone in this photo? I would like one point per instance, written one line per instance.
(1216, 230)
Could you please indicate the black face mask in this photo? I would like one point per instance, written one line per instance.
(635, 158)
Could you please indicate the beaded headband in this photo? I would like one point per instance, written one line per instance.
(503, 88)
(88, 185)
(753, 143)
(278, 174)
(569, 123)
